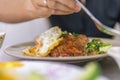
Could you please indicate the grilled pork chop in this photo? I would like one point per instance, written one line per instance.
(70, 46)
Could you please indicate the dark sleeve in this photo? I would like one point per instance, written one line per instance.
(118, 1)
(114, 11)
(119, 16)
(72, 23)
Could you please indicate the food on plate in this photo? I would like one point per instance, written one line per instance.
(57, 43)
(97, 46)
(70, 46)
(45, 42)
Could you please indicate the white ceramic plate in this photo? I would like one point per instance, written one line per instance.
(16, 51)
(51, 70)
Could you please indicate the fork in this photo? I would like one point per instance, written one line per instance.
(100, 26)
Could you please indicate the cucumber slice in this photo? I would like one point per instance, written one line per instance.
(91, 71)
(36, 76)
(105, 48)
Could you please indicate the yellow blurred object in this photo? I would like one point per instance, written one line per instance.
(7, 70)
(10, 64)
(6, 73)
(5, 76)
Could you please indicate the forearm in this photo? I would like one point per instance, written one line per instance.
(15, 10)
(24, 10)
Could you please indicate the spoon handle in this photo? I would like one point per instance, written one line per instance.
(89, 13)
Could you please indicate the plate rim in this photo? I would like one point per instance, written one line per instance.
(75, 58)
(58, 58)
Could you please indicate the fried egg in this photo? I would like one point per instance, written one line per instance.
(45, 42)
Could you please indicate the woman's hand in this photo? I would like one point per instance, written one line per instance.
(24, 10)
(45, 8)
